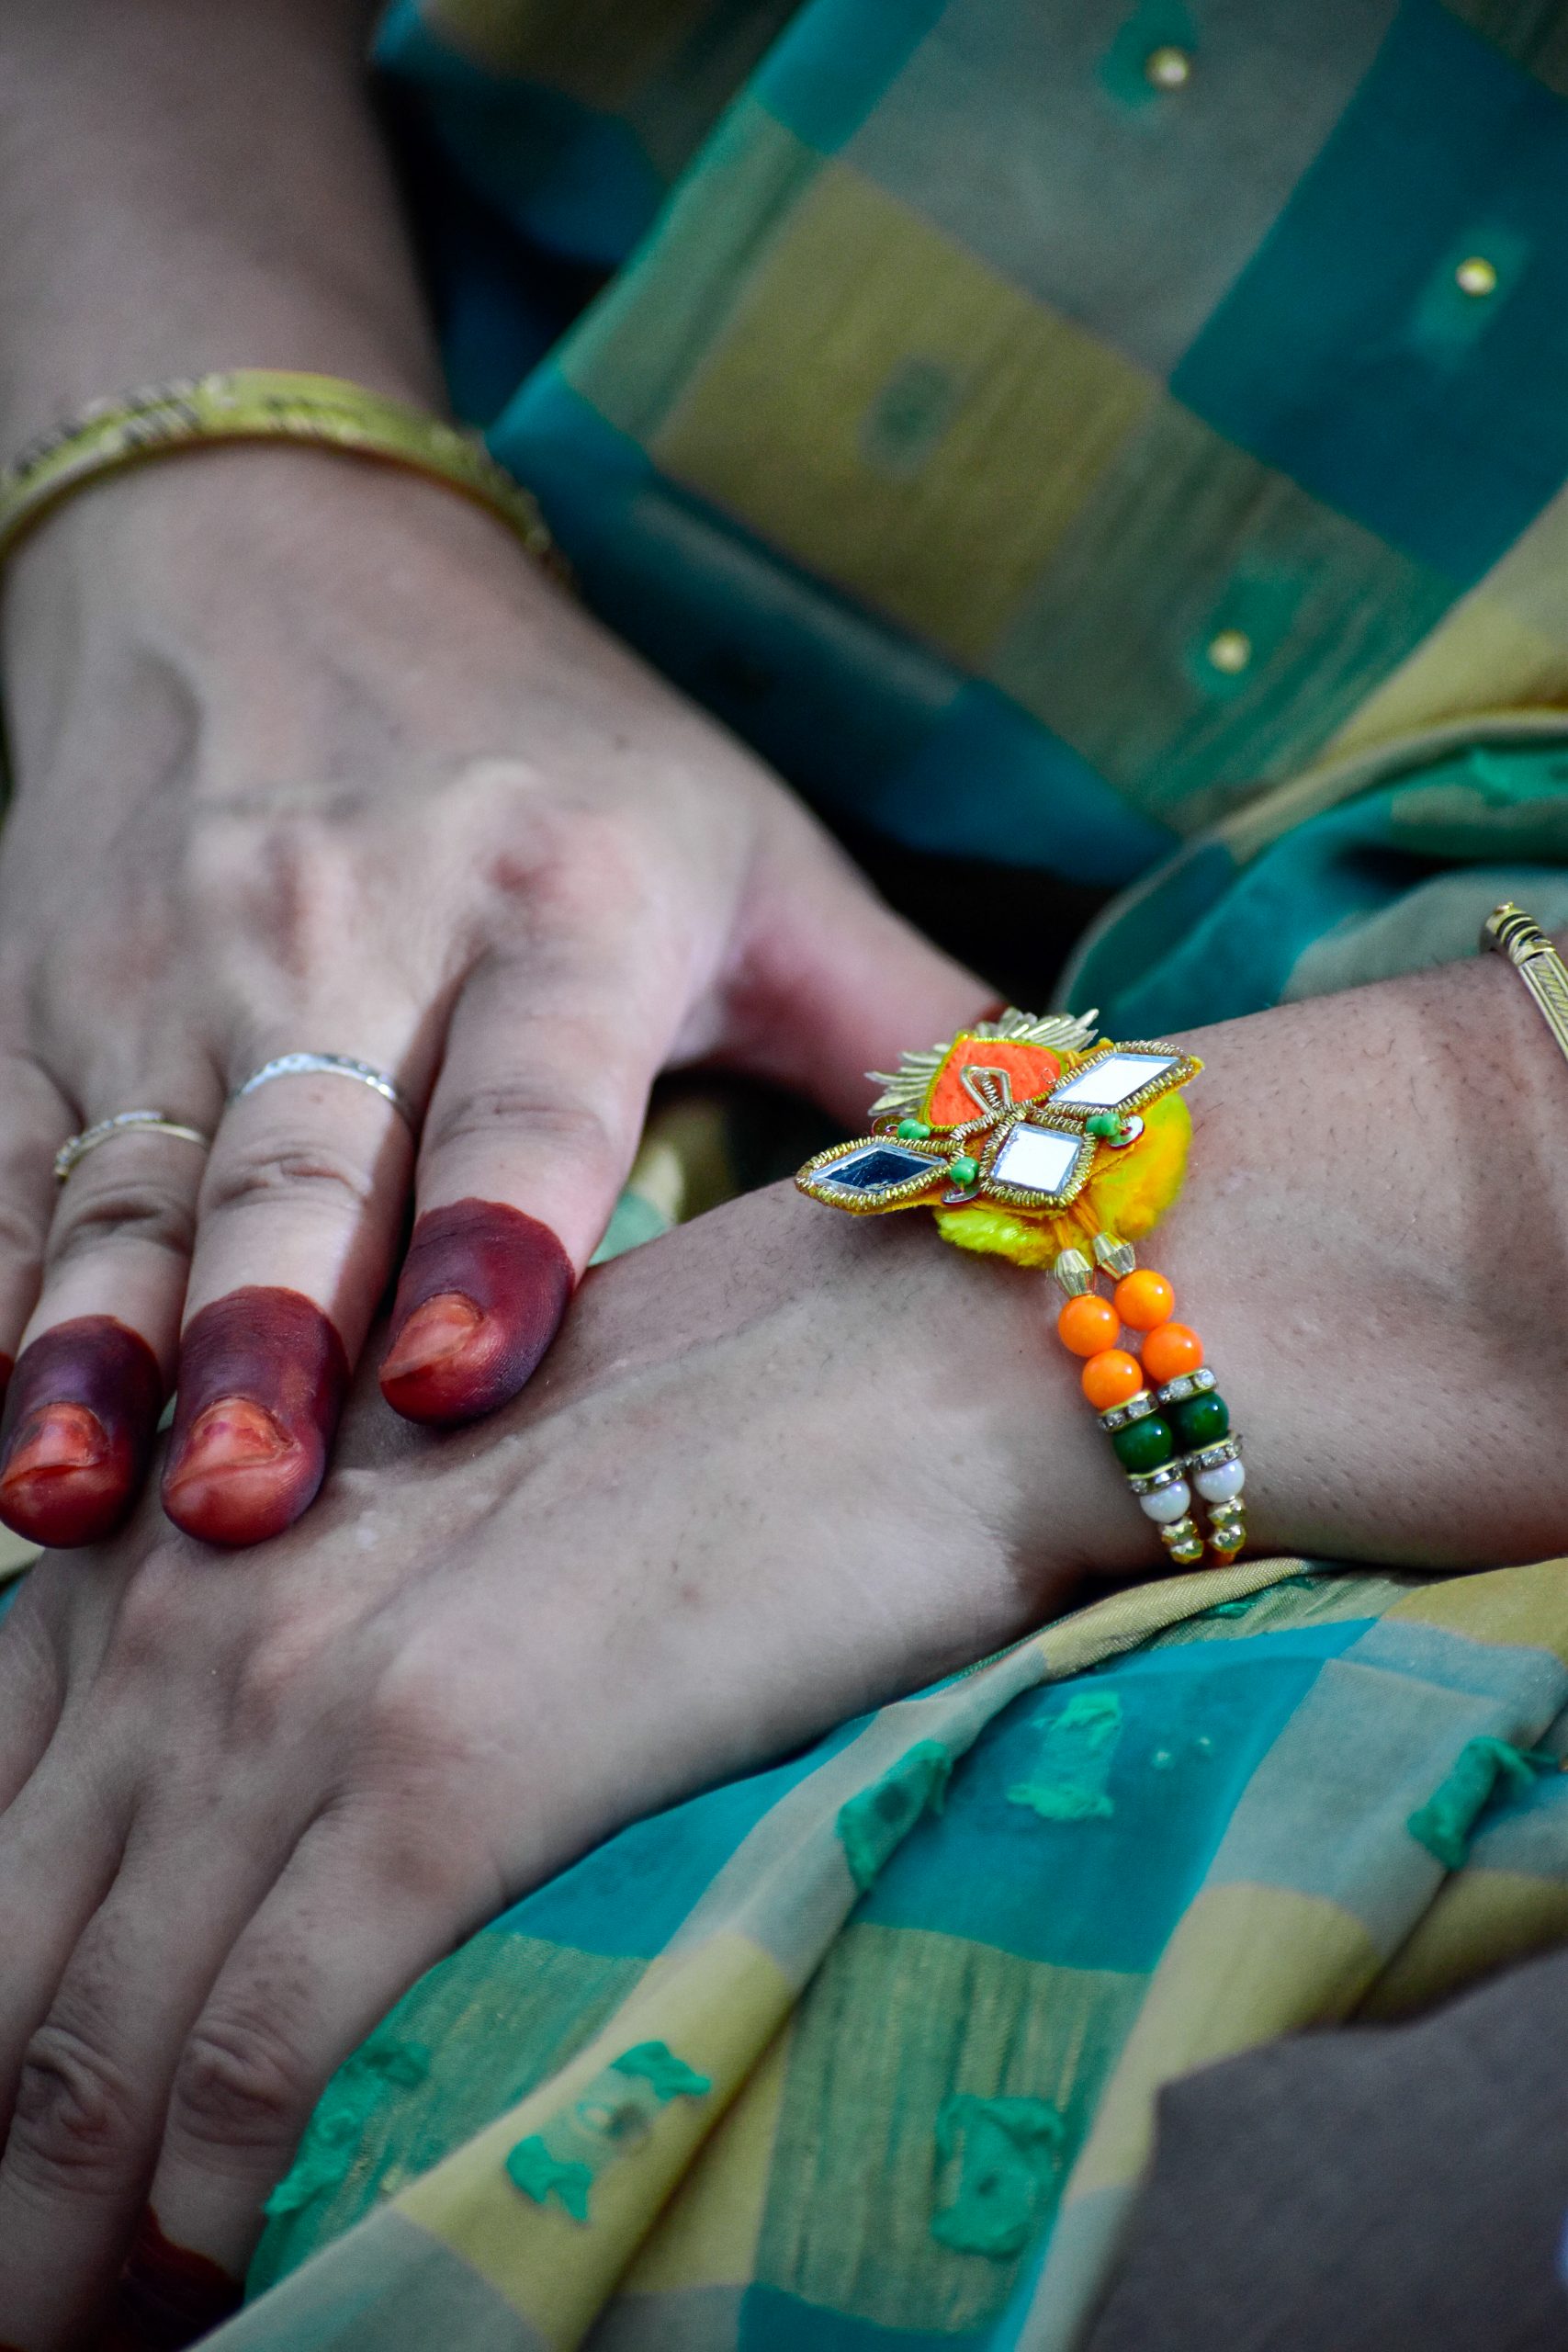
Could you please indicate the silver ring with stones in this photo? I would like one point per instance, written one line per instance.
(328, 1066)
(75, 1150)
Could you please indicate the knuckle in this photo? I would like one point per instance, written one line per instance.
(75, 2117)
(240, 2084)
(299, 1170)
(279, 1682)
(22, 1234)
(157, 1616)
(115, 1210)
(284, 876)
(578, 1131)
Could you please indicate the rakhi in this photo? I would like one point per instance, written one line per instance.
(1037, 1141)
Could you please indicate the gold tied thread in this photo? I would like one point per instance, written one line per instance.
(1510, 932)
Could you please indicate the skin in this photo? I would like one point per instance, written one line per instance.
(334, 767)
(778, 1468)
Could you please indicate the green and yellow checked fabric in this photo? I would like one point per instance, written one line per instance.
(860, 2054)
(1049, 463)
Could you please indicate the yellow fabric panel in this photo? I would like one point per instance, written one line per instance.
(1527, 1607)
(1245, 1964)
(15, 1554)
(599, 51)
(1503, 646)
(1481, 1920)
(1125, 1618)
(717, 2007)
(706, 2235)
(948, 426)
(1483, 657)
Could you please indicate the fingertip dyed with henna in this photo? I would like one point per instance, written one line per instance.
(168, 2296)
(262, 1380)
(81, 1412)
(482, 1295)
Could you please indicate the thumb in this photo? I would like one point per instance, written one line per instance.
(829, 983)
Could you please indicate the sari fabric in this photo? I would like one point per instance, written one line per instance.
(1045, 465)
(1145, 473)
(860, 2054)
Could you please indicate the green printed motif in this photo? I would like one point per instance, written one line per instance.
(615, 2114)
(873, 1825)
(1447, 1822)
(1005, 2152)
(1070, 1778)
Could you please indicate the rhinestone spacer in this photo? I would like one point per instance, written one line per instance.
(1151, 1482)
(1185, 1385)
(1210, 1457)
(1118, 1258)
(1074, 1273)
(1134, 1409)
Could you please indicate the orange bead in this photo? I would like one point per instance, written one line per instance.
(1088, 1323)
(1145, 1299)
(1174, 1348)
(1111, 1377)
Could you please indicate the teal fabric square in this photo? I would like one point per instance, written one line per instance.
(775, 2321)
(1103, 1890)
(989, 781)
(832, 67)
(628, 1896)
(1335, 359)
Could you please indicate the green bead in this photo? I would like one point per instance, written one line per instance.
(1144, 1445)
(1201, 1421)
(912, 1130)
(964, 1171)
(1106, 1123)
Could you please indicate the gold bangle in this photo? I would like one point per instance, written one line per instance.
(258, 404)
(1509, 932)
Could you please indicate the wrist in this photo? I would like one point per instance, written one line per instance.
(235, 576)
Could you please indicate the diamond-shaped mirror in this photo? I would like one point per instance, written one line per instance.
(877, 1169)
(1111, 1081)
(1037, 1160)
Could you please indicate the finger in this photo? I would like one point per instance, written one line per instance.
(529, 1134)
(98, 1349)
(356, 1916)
(60, 1842)
(31, 1689)
(35, 1120)
(300, 1212)
(93, 2090)
(831, 984)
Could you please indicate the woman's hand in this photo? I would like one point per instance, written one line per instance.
(781, 1465)
(309, 759)
(778, 1468)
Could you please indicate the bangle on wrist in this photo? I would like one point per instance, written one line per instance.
(1029, 1139)
(258, 404)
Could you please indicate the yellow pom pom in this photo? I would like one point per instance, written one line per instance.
(1000, 1233)
(1133, 1189)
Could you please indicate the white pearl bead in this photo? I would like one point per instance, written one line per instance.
(1166, 1503)
(1219, 1485)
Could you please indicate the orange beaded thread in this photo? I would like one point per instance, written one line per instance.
(1032, 1137)
(1167, 1423)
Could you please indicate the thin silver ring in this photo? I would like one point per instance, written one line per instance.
(328, 1066)
(75, 1150)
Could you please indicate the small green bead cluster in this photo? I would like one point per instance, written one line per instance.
(962, 1171)
(1150, 1443)
(1107, 1125)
